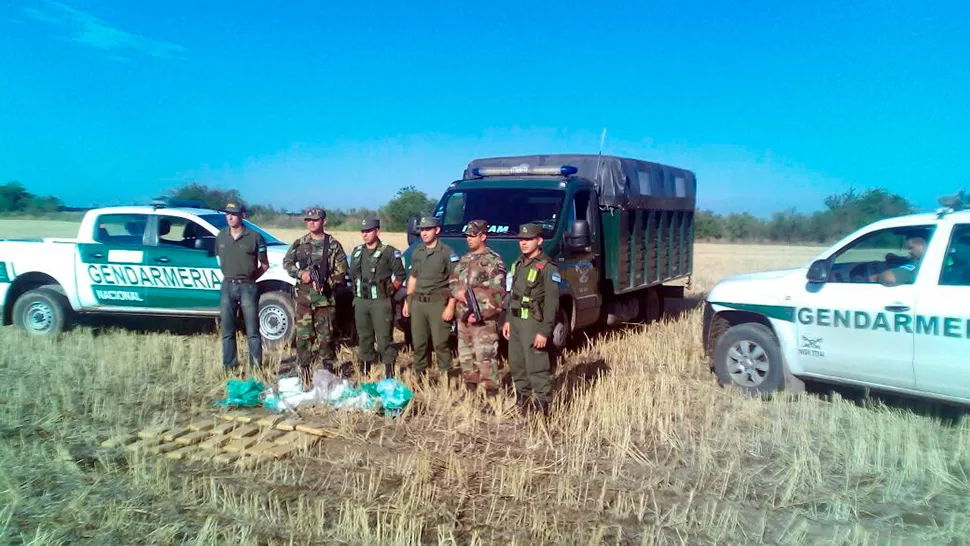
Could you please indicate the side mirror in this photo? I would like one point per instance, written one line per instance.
(819, 271)
(206, 243)
(578, 238)
(412, 229)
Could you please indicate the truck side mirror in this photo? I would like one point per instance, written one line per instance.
(819, 271)
(412, 229)
(578, 238)
(206, 243)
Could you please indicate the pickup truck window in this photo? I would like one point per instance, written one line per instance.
(504, 209)
(891, 256)
(180, 232)
(219, 221)
(956, 261)
(120, 229)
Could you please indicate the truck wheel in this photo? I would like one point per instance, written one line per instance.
(43, 311)
(651, 307)
(277, 319)
(748, 358)
(560, 330)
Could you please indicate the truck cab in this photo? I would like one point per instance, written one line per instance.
(156, 260)
(884, 308)
(614, 252)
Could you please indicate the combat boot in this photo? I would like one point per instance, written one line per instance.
(365, 367)
(328, 365)
(388, 370)
(542, 407)
(522, 404)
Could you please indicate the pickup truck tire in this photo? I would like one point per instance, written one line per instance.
(748, 357)
(43, 311)
(277, 320)
(560, 331)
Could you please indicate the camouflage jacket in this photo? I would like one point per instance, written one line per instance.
(485, 273)
(306, 251)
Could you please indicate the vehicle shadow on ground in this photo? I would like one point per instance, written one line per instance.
(577, 378)
(181, 326)
(946, 413)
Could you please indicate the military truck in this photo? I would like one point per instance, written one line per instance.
(620, 229)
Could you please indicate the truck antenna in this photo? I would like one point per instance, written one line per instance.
(599, 156)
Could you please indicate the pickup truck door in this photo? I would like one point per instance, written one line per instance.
(855, 328)
(182, 265)
(942, 361)
(108, 269)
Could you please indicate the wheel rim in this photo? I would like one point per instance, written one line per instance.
(748, 364)
(39, 317)
(273, 322)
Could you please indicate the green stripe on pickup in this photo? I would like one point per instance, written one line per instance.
(4, 277)
(780, 312)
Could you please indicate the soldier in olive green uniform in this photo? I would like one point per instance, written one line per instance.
(377, 272)
(906, 272)
(532, 306)
(315, 305)
(429, 302)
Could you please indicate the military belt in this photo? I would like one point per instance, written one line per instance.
(424, 298)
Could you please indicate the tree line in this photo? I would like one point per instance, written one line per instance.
(843, 213)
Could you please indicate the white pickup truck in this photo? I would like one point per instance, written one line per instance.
(155, 260)
(887, 308)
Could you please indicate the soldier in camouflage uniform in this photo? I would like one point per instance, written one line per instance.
(483, 270)
(532, 306)
(377, 272)
(315, 308)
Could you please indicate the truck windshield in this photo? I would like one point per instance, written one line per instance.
(219, 222)
(505, 209)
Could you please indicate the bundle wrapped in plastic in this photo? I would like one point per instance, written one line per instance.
(389, 394)
(240, 393)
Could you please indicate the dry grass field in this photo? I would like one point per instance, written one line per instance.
(643, 448)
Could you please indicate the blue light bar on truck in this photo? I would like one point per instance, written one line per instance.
(564, 170)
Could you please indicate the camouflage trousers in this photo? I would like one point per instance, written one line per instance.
(314, 334)
(478, 352)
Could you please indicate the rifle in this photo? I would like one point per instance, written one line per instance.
(473, 308)
(320, 272)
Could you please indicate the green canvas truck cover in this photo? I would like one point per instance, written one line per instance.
(620, 182)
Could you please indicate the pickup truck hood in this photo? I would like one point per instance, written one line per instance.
(761, 288)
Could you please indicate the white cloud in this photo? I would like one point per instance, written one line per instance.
(90, 31)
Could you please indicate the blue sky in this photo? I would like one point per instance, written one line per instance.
(343, 103)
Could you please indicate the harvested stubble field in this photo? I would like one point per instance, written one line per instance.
(643, 448)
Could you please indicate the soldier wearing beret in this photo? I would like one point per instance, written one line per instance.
(429, 302)
(377, 272)
(483, 271)
(315, 301)
(532, 306)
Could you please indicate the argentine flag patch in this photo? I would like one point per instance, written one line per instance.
(556, 278)
(454, 257)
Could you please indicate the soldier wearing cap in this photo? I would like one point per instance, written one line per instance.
(532, 306)
(482, 270)
(429, 302)
(377, 272)
(315, 303)
(243, 259)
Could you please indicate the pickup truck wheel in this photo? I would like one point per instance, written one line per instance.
(748, 358)
(277, 320)
(42, 311)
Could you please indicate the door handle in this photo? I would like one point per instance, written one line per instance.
(897, 308)
(162, 259)
(97, 255)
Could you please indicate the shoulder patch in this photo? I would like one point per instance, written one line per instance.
(454, 257)
(397, 253)
(908, 267)
(556, 278)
